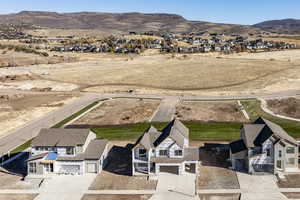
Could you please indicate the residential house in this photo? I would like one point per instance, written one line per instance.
(264, 147)
(67, 151)
(164, 151)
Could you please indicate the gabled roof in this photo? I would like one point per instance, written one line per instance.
(152, 137)
(276, 129)
(55, 137)
(237, 146)
(255, 134)
(249, 133)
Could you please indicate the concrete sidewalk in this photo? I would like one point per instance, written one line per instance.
(166, 110)
(255, 187)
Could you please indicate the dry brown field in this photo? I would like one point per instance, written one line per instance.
(120, 111)
(289, 107)
(220, 111)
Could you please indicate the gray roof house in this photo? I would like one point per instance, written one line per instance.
(264, 147)
(164, 151)
(66, 151)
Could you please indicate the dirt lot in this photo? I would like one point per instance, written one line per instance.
(16, 109)
(196, 74)
(287, 107)
(219, 196)
(292, 195)
(118, 171)
(8, 181)
(12, 58)
(292, 181)
(214, 172)
(115, 197)
(221, 111)
(120, 111)
(17, 196)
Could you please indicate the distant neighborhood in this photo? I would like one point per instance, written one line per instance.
(171, 43)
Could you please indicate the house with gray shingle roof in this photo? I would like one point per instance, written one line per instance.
(264, 147)
(66, 151)
(164, 151)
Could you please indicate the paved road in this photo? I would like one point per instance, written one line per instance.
(27, 132)
(30, 130)
(166, 110)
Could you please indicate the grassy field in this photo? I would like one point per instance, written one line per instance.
(199, 131)
(254, 110)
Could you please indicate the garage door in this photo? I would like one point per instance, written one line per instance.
(91, 168)
(71, 169)
(169, 169)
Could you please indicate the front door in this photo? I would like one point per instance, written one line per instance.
(49, 168)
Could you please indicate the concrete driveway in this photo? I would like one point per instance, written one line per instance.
(166, 110)
(261, 187)
(175, 187)
(65, 187)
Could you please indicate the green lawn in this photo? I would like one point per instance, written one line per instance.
(254, 110)
(199, 131)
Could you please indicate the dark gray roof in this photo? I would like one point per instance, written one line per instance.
(237, 146)
(94, 151)
(249, 133)
(60, 137)
(190, 154)
(152, 137)
(37, 157)
(258, 132)
(277, 130)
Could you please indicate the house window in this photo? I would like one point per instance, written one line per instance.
(278, 164)
(291, 161)
(32, 168)
(268, 152)
(290, 150)
(70, 151)
(142, 165)
(142, 152)
(279, 153)
(163, 152)
(178, 152)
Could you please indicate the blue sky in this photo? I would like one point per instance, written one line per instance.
(224, 11)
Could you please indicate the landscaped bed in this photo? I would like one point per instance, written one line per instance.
(290, 181)
(17, 196)
(219, 196)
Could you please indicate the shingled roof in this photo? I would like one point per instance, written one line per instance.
(152, 137)
(256, 133)
(56, 137)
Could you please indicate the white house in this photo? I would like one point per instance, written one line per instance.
(164, 151)
(264, 147)
(67, 151)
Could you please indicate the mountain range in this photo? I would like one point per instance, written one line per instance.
(140, 22)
